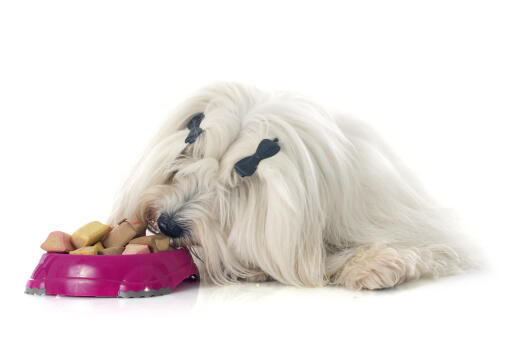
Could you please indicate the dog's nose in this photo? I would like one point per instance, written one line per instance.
(169, 227)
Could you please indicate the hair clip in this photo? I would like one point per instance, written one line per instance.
(248, 165)
(194, 127)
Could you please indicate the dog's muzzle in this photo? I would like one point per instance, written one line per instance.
(169, 226)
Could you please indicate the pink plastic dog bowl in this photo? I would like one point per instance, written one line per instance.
(111, 275)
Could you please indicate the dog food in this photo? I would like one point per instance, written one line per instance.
(157, 242)
(89, 250)
(99, 246)
(112, 251)
(89, 234)
(96, 238)
(120, 235)
(139, 227)
(106, 234)
(58, 242)
(133, 249)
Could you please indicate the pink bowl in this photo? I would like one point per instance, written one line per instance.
(111, 275)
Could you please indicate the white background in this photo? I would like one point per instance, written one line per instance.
(83, 86)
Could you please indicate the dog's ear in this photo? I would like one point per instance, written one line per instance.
(194, 127)
(248, 165)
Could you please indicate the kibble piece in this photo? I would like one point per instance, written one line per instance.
(99, 246)
(140, 228)
(106, 234)
(136, 249)
(157, 242)
(161, 243)
(120, 235)
(112, 251)
(89, 234)
(57, 242)
(91, 250)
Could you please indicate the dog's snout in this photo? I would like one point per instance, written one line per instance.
(169, 226)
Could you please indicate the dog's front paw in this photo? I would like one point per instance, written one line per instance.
(372, 268)
(359, 278)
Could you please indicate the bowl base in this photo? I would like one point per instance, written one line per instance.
(126, 276)
(121, 294)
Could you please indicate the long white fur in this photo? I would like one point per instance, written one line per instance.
(334, 206)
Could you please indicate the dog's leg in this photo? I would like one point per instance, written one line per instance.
(378, 265)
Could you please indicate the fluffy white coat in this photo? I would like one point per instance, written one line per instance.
(334, 206)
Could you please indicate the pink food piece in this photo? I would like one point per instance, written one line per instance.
(57, 242)
(136, 249)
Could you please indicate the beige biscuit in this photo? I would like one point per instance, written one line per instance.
(120, 235)
(112, 251)
(91, 250)
(89, 234)
(157, 242)
(136, 249)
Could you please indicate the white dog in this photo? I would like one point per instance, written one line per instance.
(274, 187)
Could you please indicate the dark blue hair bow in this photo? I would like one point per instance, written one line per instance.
(248, 165)
(194, 127)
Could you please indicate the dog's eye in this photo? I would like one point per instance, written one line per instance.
(248, 165)
(194, 127)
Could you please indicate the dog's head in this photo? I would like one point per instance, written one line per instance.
(242, 175)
